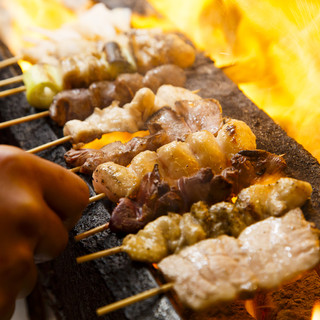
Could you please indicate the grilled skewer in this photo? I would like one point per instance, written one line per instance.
(218, 271)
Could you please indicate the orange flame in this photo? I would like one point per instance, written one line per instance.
(271, 50)
(112, 137)
(316, 311)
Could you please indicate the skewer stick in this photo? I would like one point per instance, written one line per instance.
(99, 254)
(50, 144)
(97, 197)
(24, 119)
(91, 232)
(133, 299)
(11, 80)
(75, 169)
(9, 92)
(9, 61)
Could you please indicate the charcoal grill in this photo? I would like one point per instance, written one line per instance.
(75, 291)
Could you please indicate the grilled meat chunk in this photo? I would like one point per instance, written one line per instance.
(234, 136)
(153, 47)
(71, 104)
(164, 126)
(80, 103)
(211, 217)
(155, 197)
(164, 74)
(261, 201)
(131, 117)
(204, 114)
(266, 254)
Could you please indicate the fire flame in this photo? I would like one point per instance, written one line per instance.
(112, 137)
(24, 15)
(316, 311)
(269, 48)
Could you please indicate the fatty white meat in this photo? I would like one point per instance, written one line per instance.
(266, 255)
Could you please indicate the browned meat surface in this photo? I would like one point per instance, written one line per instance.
(168, 122)
(80, 103)
(155, 197)
(71, 104)
(266, 254)
(256, 166)
(164, 126)
(117, 152)
(164, 74)
(152, 47)
(166, 235)
(203, 114)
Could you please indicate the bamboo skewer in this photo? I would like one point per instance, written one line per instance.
(9, 61)
(11, 80)
(97, 197)
(99, 254)
(91, 232)
(9, 92)
(24, 119)
(75, 169)
(133, 299)
(50, 144)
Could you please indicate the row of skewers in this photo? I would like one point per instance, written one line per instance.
(191, 163)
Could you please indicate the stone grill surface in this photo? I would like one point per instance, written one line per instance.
(76, 291)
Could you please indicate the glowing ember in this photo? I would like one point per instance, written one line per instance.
(316, 311)
(112, 137)
(271, 49)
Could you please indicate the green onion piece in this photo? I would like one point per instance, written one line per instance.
(119, 60)
(42, 83)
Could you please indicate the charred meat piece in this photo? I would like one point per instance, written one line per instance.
(152, 47)
(266, 255)
(80, 103)
(203, 114)
(71, 104)
(274, 199)
(256, 166)
(167, 234)
(129, 216)
(151, 201)
(164, 126)
(131, 117)
(164, 74)
(117, 152)
(234, 136)
(204, 186)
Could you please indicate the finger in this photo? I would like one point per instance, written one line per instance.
(65, 192)
(18, 275)
(53, 236)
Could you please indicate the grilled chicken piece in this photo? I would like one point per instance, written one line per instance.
(256, 166)
(118, 181)
(131, 117)
(177, 159)
(117, 152)
(164, 74)
(261, 201)
(209, 215)
(234, 136)
(266, 255)
(153, 47)
(155, 197)
(80, 103)
(204, 114)
(164, 126)
(71, 104)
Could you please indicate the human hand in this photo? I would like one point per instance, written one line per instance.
(39, 202)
